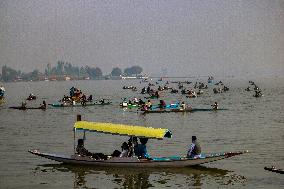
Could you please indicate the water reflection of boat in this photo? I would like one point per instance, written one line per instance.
(141, 178)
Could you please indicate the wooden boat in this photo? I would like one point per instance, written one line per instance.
(135, 162)
(128, 130)
(274, 169)
(79, 105)
(27, 108)
(181, 110)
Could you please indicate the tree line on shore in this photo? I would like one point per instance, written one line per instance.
(65, 69)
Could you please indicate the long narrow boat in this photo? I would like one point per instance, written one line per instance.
(27, 108)
(79, 105)
(133, 161)
(274, 169)
(181, 110)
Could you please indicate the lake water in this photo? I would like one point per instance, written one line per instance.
(254, 124)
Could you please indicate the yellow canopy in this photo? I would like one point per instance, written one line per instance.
(120, 129)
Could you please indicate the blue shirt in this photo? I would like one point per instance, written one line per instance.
(141, 151)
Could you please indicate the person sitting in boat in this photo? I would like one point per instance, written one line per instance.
(141, 102)
(140, 150)
(102, 101)
(24, 105)
(124, 103)
(125, 150)
(82, 151)
(136, 100)
(182, 106)
(83, 100)
(90, 98)
(144, 107)
(157, 94)
(43, 105)
(257, 93)
(149, 104)
(162, 104)
(132, 144)
(215, 106)
(31, 97)
(194, 149)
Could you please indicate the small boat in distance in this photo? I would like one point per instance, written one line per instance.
(274, 169)
(131, 161)
(31, 97)
(210, 79)
(2, 92)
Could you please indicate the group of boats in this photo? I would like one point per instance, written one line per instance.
(139, 132)
(78, 99)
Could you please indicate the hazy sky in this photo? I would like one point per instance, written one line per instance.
(190, 37)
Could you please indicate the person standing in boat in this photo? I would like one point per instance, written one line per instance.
(194, 149)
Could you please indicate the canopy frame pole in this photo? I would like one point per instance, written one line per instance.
(74, 142)
(79, 118)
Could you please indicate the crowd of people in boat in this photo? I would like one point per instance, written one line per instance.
(128, 149)
(133, 148)
(257, 90)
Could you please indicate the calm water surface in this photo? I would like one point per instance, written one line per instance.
(254, 124)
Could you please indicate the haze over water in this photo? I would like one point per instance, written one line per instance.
(174, 38)
(254, 124)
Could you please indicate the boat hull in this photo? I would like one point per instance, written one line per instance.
(165, 162)
(78, 105)
(26, 108)
(179, 110)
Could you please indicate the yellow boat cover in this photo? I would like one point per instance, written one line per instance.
(121, 129)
